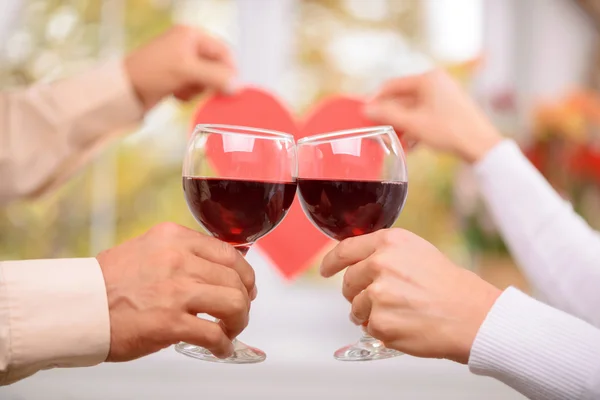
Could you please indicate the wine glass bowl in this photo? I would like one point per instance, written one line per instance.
(352, 183)
(239, 184)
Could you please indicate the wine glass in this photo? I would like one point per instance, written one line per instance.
(352, 183)
(239, 184)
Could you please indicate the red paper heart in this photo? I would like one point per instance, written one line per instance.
(295, 243)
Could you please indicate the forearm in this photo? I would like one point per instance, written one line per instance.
(542, 352)
(48, 131)
(53, 313)
(556, 249)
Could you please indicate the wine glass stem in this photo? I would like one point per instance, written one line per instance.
(243, 249)
(367, 338)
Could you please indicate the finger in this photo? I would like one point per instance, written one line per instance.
(399, 328)
(349, 252)
(411, 144)
(404, 86)
(229, 305)
(216, 50)
(188, 93)
(213, 75)
(222, 253)
(357, 278)
(406, 146)
(208, 272)
(392, 112)
(361, 308)
(207, 334)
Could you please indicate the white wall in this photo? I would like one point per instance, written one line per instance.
(498, 45)
(264, 43)
(454, 29)
(9, 17)
(559, 40)
(541, 48)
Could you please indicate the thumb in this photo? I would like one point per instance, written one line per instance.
(214, 75)
(390, 112)
(400, 116)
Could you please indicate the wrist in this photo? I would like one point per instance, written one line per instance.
(135, 74)
(478, 312)
(477, 146)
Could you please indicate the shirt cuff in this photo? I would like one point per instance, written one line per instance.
(497, 156)
(540, 351)
(58, 314)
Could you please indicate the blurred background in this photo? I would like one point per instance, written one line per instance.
(533, 65)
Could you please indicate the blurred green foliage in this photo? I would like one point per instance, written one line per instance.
(148, 189)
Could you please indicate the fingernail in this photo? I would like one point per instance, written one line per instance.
(370, 110)
(371, 99)
(230, 351)
(355, 320)
(233, 87)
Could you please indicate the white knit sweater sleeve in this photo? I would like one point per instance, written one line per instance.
(555, 248)
(540, 351)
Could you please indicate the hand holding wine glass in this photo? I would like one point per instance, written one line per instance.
(353, 183)
(157, 282)
(414, 299)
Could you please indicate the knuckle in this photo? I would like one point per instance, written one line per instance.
(251, 277)
(184, 30)
(177, 326)
(437, 73)
(391, 237)
(166, 229)
(378, 263)
(376, 291)
(228, 255)
(346, 287)
(173, 258)
(214, 335)
(377, 326)
(341, 250)
(238, 303)
(187, 63)
(232, 277)
(172, 295)
(181, 28)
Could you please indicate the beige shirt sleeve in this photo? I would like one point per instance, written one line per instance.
(48, 131)
(54, 313)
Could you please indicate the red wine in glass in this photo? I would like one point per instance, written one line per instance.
(343, 208)
(238, 211)
(239, 183)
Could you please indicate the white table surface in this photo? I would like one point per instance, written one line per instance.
(298, 326)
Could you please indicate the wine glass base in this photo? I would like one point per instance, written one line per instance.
(242, 354)
(365, 350)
